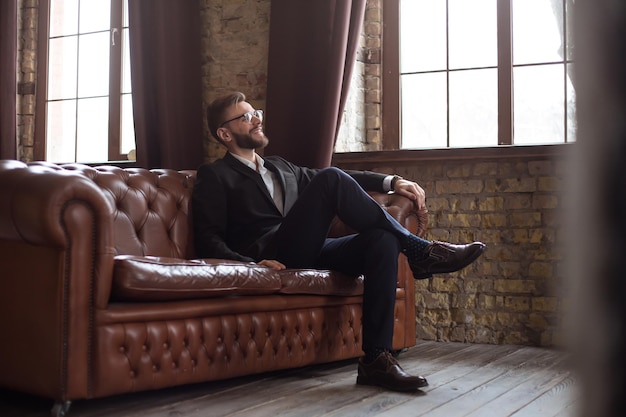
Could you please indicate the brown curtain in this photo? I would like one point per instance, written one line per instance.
(166, 82)
(8, 88)
(311, 55)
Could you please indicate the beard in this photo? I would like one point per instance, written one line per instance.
(248, 141)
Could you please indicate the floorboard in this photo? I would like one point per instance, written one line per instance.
(465, 380)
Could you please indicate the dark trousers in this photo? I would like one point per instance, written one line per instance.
(302, 242)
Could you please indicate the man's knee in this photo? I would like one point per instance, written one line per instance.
(382, 241)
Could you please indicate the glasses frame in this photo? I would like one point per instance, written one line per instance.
(247, 117)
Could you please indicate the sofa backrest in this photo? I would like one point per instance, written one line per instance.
(152, 212)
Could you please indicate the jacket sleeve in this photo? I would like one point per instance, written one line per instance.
(368, 180)
(210, 211)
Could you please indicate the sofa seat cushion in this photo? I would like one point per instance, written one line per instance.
(319, 282)
(148, 278)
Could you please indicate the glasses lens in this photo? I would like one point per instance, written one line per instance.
(247, 117)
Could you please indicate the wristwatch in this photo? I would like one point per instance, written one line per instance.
(394, 180)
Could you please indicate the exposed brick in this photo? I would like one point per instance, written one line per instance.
(545, 304)
(518, 286)
(541, 269)
(529, 219)
(511, 185)
(545, 202)
(494, 220)
(445, 284)
(460, 171)
(537, 168)
(517, 202)
(435, 204)
(516, 303)
(549, 184)
(464, 220)
(491, 204)
(485, 169)
(459, 187)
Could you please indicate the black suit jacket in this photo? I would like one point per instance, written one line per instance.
(233, 212)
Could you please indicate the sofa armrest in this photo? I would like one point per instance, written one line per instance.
(57, 259)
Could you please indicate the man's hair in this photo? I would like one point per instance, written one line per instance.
(215, 111)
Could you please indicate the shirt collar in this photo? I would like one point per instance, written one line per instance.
(259, 162)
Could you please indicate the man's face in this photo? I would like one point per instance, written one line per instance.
(245, 134)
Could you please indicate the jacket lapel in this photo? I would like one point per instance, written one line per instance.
(253, 175)
(287, 182)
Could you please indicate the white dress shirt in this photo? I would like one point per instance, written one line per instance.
(269, 178)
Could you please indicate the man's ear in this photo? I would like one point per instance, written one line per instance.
(224, 135)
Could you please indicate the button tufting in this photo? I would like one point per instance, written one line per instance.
(122, 349)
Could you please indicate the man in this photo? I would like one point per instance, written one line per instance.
(272, 212)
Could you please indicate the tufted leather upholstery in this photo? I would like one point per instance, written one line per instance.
(100, 291)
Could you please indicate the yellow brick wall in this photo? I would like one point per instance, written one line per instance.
(515, 293)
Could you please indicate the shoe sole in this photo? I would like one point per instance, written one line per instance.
(364, 381)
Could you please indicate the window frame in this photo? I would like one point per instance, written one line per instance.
(391, 78)
(115, 84)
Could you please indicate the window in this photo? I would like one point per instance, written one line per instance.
(86, 97)
(474, 73)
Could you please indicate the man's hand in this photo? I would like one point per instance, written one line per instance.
(412, 191)
(273, 264)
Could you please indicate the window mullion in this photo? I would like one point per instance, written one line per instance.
(41, 110)
(505, 73)
(391, 83)
(447, 73)
(115, 83)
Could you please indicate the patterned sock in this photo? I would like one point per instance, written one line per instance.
(372, 354)
(414, 246)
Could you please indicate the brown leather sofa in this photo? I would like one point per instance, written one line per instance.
(100, 292)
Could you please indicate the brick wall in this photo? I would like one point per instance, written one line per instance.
(26, 76)
(514, 294)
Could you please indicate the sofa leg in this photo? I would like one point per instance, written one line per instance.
(60, 408)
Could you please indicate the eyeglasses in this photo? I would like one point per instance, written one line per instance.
(247, 117)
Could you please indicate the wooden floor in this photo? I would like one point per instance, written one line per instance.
(465, 380)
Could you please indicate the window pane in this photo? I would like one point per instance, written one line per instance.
(424, 111)
(572, 127)
(474, 108)
(93, 73)
(63, 17)
(126, 85)
(62, 68)
(423, 35)
(473, 27)
(125, 17)
(61, 131)
(93, 130)
(539, 103)
(95, 15)
(569, 11)
(537, 31)
(128, 126)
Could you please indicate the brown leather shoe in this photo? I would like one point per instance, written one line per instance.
(386, 372)
(442, 257)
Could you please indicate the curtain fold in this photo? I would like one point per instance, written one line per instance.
(8, 80)
(166, 75)
(312, 51)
